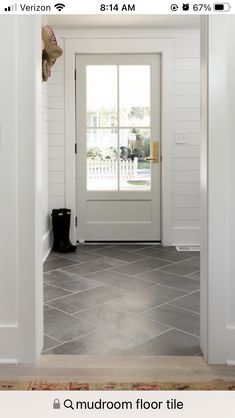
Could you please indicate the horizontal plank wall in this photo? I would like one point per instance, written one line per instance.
(56, 149)
(186, 121)
(185, 157)
(46, 224)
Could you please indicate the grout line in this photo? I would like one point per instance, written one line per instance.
(184, 309)
(99, 284)
(66, 313)
(59, 268)
(143, 257)
(51, 258)
(174, 328)
(158, 268)
(59, 287)
(191, 278)
(100, 304)
(97, 271)
(166, 259)
(82, 262)
(166, 303)
(186, 332)
(60, 297)
(69, 341)
(187, 292)
(149, 271)
(169, 274)
(49, 336)
(169, 328)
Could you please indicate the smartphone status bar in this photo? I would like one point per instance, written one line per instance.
(116, 7)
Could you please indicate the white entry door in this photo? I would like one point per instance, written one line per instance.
(118, 142)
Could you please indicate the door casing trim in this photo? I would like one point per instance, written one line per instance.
(106, 42)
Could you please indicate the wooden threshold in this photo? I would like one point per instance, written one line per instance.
(120, 369)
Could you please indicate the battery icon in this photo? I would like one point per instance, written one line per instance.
(222, 7)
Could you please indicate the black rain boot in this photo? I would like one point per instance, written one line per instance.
(66, 227)
(58, 228)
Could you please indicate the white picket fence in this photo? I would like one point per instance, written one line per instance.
(107, 169)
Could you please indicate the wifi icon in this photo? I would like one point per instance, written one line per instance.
(59, 6)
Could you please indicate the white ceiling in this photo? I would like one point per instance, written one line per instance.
(136, 21)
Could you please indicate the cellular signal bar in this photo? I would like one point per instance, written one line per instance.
(12, 8)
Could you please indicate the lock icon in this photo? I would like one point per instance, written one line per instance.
(56, 404)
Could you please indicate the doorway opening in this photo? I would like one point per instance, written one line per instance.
(119, 298)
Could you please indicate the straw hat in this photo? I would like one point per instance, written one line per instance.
(51, 51)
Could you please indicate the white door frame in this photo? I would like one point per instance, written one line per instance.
(21, 328)
(117, 42)
(141, 207)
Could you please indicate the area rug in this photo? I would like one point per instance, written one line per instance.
(52, 384)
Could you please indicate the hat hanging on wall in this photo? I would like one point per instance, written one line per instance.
(50, 52)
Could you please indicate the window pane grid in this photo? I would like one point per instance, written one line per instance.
(116, 151)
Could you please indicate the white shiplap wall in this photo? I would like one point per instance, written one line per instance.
(186, 120)
(45, 215)
(56, 160)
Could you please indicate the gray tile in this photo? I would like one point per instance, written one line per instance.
(84, 300)
(119, 253)
(49, 343)
(191, 302)
(72, 282)
(110, 285)
(171, 343)
(176, 318)
(47, 308)
(166, 254)
(195, 261)
(57, 263)
(195, 275)
(182, 268)
(100, 263)
(91, 247)
(53, 292)
(64, 327)
(122, 281)
(52, 255)
(171, 280)
(96, 343)
(141, 266)
(119, 322)
(132, 247)
(81, 256)
(144, 299)
(193, 253)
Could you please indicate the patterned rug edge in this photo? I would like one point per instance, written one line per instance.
(52, 384)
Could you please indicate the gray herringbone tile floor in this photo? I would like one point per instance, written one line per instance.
(122, 299)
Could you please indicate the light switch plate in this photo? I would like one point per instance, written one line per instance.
(181, 138)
